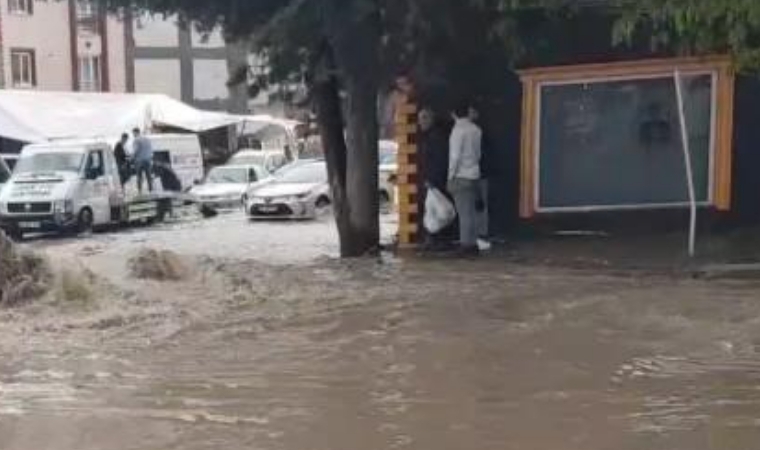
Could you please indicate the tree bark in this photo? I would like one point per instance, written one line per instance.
(354, 37)
(362, 162)
(326, 96)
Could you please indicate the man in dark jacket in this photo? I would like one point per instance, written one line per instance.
(433, 165)
(120, 153)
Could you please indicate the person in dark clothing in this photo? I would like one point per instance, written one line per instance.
(169, 179)
(433, 165)
(120, 153)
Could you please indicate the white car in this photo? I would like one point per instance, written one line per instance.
(224, 187)
(300, 191)
(388, 171)
(271, 160)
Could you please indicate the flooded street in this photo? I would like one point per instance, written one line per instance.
(270, 343)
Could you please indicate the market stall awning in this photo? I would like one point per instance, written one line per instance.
(35, 116)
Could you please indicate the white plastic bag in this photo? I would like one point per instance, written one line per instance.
(439, 212)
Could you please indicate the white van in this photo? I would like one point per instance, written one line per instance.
(75, 186)
(182, 153)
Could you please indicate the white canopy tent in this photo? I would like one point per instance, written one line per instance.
(33, 116)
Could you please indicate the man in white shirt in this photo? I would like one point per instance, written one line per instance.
(464, 174)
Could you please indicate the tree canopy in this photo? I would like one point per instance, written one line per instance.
(695, 26)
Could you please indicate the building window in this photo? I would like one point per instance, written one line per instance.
(89, 74)
(21, 7)
(23, 69)
(87, 16)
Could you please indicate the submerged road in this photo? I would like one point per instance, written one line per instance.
(269, 343)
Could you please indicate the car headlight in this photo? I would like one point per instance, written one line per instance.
(295, 198)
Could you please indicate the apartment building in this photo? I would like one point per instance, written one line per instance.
(179, 61)
(73, 45)
(68, 45)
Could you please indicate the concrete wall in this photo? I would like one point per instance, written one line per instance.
(47, 32)
(117, 58)
(210, 79)
(158, 76)
(155, 31)
(183, 63)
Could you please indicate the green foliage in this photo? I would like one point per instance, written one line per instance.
(695, 27)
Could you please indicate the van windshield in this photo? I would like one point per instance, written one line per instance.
(50, 162)
(5, 173)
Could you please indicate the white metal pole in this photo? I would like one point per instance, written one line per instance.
(688, 165)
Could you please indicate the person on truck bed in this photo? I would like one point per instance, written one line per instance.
(120, 153)
(143, 159)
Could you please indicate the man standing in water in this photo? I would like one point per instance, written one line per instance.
(464, 174)
(434, 167)
(143, 158)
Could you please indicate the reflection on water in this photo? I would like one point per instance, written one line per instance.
(407, 355)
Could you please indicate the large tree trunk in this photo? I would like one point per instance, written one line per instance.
(354, 39)
(362, 162)
(326, 96)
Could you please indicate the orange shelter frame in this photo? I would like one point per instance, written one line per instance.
(532, 80)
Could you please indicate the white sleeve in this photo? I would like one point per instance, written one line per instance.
(455, 152)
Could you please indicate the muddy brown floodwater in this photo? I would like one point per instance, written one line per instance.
(315, 354)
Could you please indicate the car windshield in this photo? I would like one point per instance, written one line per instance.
(220, 175)
(50, 162)
(257, 159)
(304, 173)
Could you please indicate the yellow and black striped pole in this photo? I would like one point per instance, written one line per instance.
(406, 136)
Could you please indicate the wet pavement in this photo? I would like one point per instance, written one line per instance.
(272, 344)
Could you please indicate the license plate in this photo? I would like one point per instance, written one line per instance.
(268, 209)
(30, 225)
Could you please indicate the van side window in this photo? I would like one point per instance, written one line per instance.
(95, 164)
(252, 175)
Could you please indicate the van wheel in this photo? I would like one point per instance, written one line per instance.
(85, 221)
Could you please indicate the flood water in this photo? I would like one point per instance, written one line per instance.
(315, 354)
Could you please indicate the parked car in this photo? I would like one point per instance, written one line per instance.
(224, 187)
(388, 172)
(300, 191)
(271, 160)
